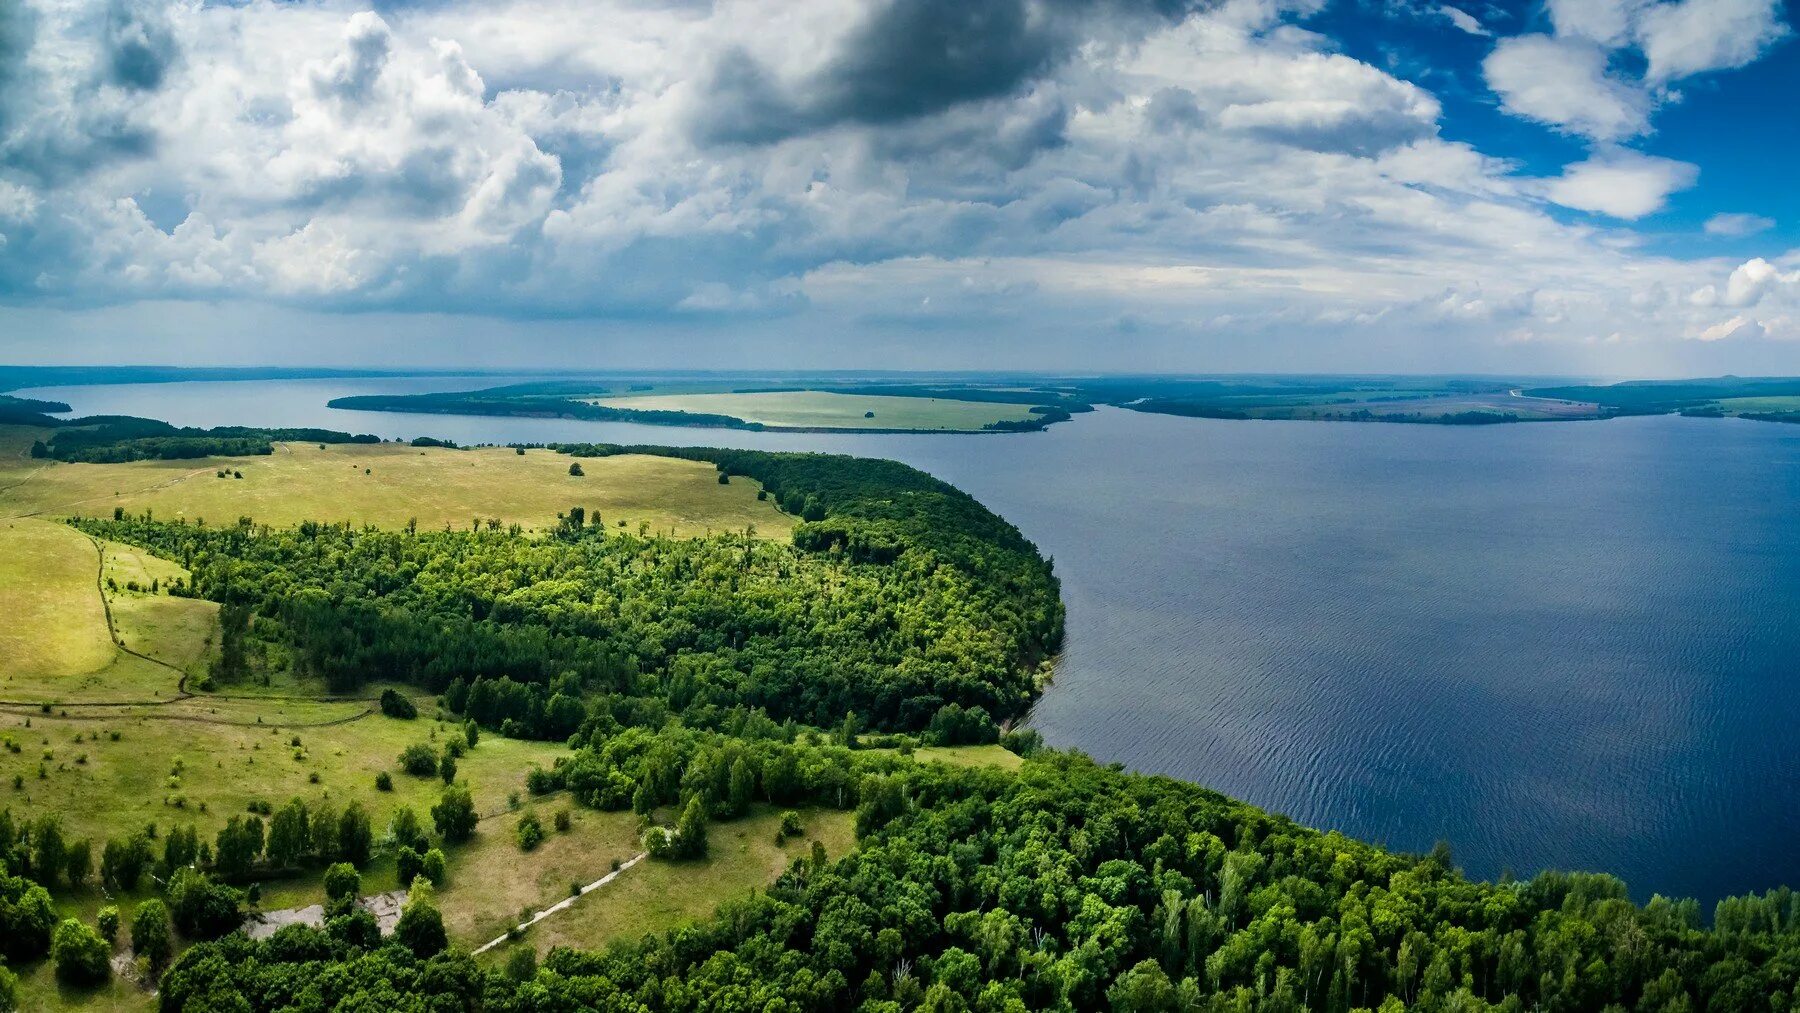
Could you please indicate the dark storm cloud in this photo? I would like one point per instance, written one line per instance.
(909, 59)
(18, 28)
(53, 124)
(140, 44)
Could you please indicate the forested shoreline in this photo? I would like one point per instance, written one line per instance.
(898, 597)
(695, 679)
(1067, 885)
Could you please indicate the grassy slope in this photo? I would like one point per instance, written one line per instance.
(128, 783)
(813, 408)
(652, 897)
(233, 751)
(55, 626)
(302, 482)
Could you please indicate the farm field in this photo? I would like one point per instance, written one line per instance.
(821, 409)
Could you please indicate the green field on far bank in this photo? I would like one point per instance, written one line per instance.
(813, 409)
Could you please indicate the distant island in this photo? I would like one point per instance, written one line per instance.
(863, 402)
(862, 408)
(1012, 404)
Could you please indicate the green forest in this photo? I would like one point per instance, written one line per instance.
(696, 681)
(1068, 885)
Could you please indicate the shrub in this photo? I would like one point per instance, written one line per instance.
(407, 832)
(421, 929)
(408, 866)
(107, 921)
(396, 705)
(432, 867)
(419, 760)
(82, 957)
(575, 469)
(790, 824)
(150, 937)
(342, 880)
(530, 831)
(384, 781)
(203, 909)
(447, 767)
(690, 830)
(454, 815)
(26, 920)
(355, 836)
(563, 821)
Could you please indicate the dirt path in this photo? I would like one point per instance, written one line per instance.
(562, 905)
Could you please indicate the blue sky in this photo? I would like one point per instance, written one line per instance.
(1571, 186)
(1738, 125)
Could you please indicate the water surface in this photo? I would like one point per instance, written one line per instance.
(1552, 645)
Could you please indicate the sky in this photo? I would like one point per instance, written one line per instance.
(1572, 187)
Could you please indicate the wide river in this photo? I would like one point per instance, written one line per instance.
(1568, 645)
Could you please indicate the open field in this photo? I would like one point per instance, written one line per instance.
(651, 897)
(1771, 404)
(96, 730)
(182, 763)
(1432, 407)
(819, 409)
(56, 627)
(56, 645)
(389, 484)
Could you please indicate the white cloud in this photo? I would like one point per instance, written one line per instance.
(1572, 79)
(1221, 177)
(1695, 36)
(1734, 327)
(1608, 22)
(1463, 20)
(1737, 224)
(1566, 83)
(1754, 279)
(1623, 184)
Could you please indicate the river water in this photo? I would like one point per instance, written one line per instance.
(1567, 645)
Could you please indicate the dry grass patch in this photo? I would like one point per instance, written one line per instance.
(654, 897)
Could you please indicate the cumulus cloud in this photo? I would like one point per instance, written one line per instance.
(1172, 172)
(1572, 79)
(1748, 284)
(1695, 36)
(1566, 83)
(1623, 184)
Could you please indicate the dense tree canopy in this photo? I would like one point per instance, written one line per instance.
(1075, 886)
(904, 597)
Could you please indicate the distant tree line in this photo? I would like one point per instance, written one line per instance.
(114, 439)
